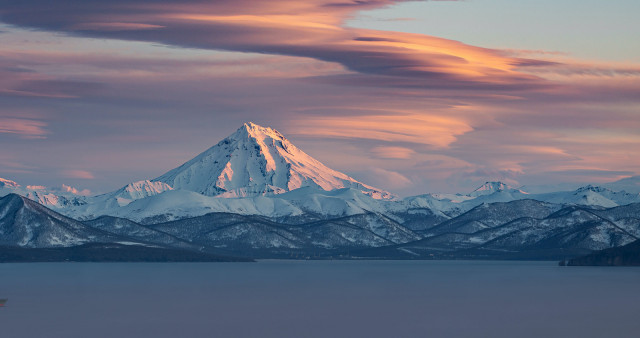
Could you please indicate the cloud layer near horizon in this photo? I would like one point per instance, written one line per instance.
(426, 108)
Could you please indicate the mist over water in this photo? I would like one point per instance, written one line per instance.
(318, 299)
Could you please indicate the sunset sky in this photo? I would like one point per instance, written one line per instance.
(412, 97)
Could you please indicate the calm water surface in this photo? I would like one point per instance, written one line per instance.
(319, 299)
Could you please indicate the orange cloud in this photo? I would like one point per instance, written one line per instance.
(438, 131)
(393, 152)
(313, 29)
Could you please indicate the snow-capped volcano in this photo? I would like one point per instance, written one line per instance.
(254, 161)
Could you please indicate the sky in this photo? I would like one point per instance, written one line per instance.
(409, 96)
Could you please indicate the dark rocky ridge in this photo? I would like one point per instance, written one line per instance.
(627, 255)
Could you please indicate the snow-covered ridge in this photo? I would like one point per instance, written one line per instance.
(257, 171)
(147, 199)
(53, 198)
(137, 190)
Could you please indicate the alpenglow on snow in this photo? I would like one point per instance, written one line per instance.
(258, 160)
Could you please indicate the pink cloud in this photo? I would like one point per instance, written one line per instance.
(26, 128)
(82, 174)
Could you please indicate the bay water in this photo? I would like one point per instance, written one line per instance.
(286, 298)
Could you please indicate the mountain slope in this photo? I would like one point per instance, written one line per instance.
(130, 229)
(258, 161)
(509, 231)
(627, 255)
(135, 191)
(25, 223)
(487, 216)
(261, 237)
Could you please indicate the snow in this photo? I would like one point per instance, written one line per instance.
(136, 244)
(257, 161)
(408, 251)
(49, 197)
(137, 190)
(590, 195)
(492, 187)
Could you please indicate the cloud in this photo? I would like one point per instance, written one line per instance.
(470, 178)
(393, 152)
(84, 192)
(579, 176)
(581, 69)
(26, 128)
(311, 29)
(387, 179)
(438, 131)
(18, 79)
(113, 26)
(75, 173)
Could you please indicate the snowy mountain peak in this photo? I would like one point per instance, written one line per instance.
(593, 188)
(254, 161)
(255, 131)
(491, 187)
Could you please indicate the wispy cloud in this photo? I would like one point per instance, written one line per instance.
(76, 173)
(390, 178)
(393, 152)
(438, 131)
(23, 127)
(113, 26)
